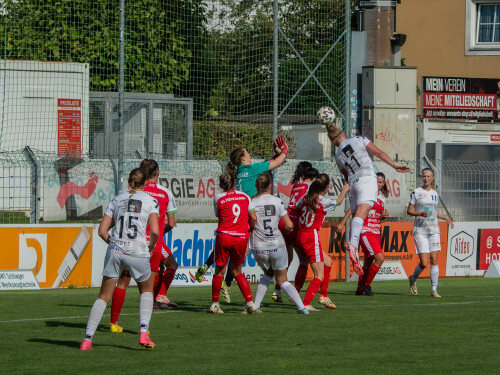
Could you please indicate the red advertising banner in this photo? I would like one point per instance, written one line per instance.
(494, 138)
(461, 98)
(69, 128)
(489, 247)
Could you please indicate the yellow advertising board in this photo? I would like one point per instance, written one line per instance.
(60, 256)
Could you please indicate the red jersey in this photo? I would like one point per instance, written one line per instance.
(166, 202)
(309, 219)
(232, 208)
(298, 191)
(372, 221)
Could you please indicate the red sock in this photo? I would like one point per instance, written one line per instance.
(117, 304)
(362, 279)
(168, 276)
(277, 287)
(244, 287)
(312, 289)
(300, 276)
(216, 285)
(326, 282)
(371, 274)
(157, 286)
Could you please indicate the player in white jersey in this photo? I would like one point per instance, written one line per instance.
(423, 205)
(268, 245)
(130, 213)
(353, 160)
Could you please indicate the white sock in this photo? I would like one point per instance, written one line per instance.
(145, 310)
(356, 226)
(293, 294)
(262, 289)
(277, 292)
(434, 277)
(95, 317)
(416, 273)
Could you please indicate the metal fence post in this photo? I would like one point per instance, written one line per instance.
(346, 115)
(439, 163)
(275, 83)
(34, 185)
(121, 86)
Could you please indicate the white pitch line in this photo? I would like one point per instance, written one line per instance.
(81, 316)
(437, 304)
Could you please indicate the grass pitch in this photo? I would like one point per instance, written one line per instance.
(390, 333)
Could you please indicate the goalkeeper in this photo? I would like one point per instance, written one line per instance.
(240, 165)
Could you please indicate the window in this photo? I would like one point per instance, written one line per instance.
(488, 24)
(482, 29)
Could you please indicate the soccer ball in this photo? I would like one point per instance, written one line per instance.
(325, 115)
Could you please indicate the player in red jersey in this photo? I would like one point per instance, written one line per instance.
(237, 218)
(313, 209)
(370, 238)
(302, 178)
(161, 253)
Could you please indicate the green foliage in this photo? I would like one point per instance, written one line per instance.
(216, 140)
(157, 57)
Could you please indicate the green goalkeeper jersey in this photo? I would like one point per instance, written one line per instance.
(247, 175)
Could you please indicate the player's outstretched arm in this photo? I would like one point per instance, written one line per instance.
(342, 194)
(374, 150)
(281, 150)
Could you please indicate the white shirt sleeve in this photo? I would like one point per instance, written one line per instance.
(172, 207)
(281, 209)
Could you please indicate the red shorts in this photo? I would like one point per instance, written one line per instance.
(308, 242)
(227, 246)
(370, 244)
(159, 254)
(290, 237)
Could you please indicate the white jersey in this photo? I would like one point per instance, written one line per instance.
(269, 210)
(424, 200)
(131, 213)
(352, 157)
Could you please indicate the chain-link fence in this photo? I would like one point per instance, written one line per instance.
(39, 187)
(88, 88)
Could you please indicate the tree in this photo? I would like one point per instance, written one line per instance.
(157, 54)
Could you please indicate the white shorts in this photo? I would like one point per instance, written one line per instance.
(115, 261)
(277, 259)
(427, 243)
(363, 190)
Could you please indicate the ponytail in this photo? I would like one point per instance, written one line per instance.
(319, 185)
(234, 161)
(136, 180)
(262, 184)
(226, 181)
(151, 168)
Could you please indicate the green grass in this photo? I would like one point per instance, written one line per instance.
(390, 333)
